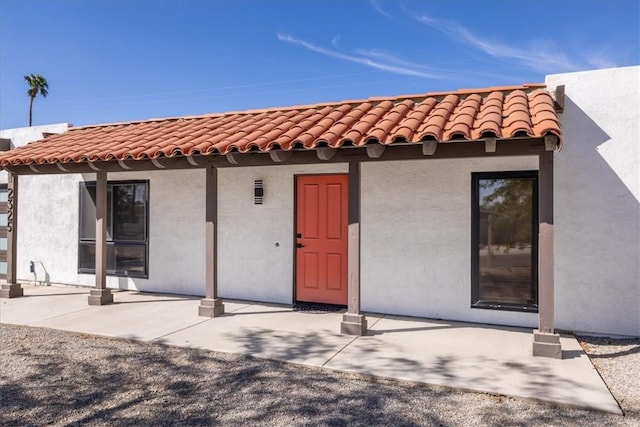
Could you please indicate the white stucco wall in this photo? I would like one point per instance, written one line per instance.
(48, 231)
(251, 266)
(22, 136)
(597, 202)
(416, 238)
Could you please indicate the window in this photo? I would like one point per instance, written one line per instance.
(127, 237)
(504, 243)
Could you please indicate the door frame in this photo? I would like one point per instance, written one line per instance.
(294, 297)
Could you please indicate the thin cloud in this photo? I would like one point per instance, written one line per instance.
(406, 68)
(600, 60)
(539, 57)
(375, 4)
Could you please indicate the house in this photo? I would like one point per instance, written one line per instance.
(515, 205)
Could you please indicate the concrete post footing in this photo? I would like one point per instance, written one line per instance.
(353, 324)
(546, 345)
(211, 307)
(11, 290)
(100, 297)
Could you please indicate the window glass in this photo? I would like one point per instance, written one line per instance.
(3, 194)
(88, 211)
(126, 228)
(121, 259)
(129, 212)
(506, 240)
(4, 219)
(3, 267)
(3, 243)
(129, 259)
(87, 257)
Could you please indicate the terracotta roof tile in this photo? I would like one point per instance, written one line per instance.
(466, 114)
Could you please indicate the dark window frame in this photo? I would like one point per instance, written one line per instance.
(112, 242)
(476, 302)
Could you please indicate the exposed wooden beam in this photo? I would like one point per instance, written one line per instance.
(62, 168)
(195, 161)
(233, 157)
(326, 153)
(158, 163)
(465, 149)
(123, 165)
(490, 145)
(550, 142)
(280, 156)
(5, 144)
(374, 151)
(558, 99)
(429, 147)
(34, 168)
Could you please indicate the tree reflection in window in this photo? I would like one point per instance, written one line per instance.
(505, 254)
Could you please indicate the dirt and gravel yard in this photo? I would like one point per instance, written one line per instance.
(51, 377)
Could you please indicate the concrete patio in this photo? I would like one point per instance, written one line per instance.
(474, 357)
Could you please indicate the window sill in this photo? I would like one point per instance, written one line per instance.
(133, 276)
(486, 305)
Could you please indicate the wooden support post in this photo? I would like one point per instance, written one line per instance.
(211, 305)
(546, 342)
(100, 295)
(354, 322)
(12, 288)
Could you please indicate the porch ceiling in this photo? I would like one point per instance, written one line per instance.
(463, 115)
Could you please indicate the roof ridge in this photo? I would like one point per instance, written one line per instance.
(464, 91)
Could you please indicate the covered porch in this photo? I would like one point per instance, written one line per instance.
(506, 122)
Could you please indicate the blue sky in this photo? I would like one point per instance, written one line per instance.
(122, 60)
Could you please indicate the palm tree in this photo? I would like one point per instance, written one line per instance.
(37, 85)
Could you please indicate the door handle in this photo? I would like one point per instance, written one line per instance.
(299, 245)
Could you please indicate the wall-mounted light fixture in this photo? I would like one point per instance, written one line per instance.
(258, 192)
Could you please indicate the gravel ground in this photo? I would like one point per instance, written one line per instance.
(618, 361)
(51, 377)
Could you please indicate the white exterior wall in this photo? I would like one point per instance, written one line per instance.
(48, 231)
(597, 202)
(251, 266)
(416, 238)
(22, 136)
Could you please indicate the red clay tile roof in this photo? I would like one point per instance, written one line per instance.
(501, 112)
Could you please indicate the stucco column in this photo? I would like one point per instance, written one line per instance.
(546, 342)
(211, 305)
(354, 322)
(100, 295)
(12, 288)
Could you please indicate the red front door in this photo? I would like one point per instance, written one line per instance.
(321, 239)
